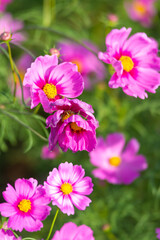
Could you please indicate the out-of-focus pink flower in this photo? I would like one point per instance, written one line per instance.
(70, 231)
(142, 11)
(158, 232)
(135, 61)
(73, 126)
(3, 4)
(47, 154)
(8, 24)
(116, 165)
(88, 64)
(67, 186)
(49, 81)
(8, 235)
(26, 205)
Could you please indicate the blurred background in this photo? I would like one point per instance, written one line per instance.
(117, 212)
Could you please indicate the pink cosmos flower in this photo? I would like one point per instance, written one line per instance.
(49, 81)
(47, 154)
(26, 205)
(89, 66)
(8, 24)
(135, 61)
(3, 4)
(158, 232)
(142, 11)
(70, 231)
(116, 165)
(67, 186)
(8, 235)
(73, 126)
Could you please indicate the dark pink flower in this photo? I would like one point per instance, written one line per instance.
(49, 81)
(158, 232)
(26, 205)
(135, 61)
(70, 231)
(73, 126)
(8, 24)
(116, 165)
(142, 11)
(88, 64)
(67, 186)
(47, 154)
(8, 235)
(3, 4)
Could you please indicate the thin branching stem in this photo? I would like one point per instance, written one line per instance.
(52, 225)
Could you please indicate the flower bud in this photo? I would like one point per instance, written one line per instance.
(5, 36)
(54, 51)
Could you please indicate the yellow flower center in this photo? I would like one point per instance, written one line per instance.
(127, 63)
(24, 205)
(139, 8)
(79, 65)
(66, 188)
(66, 115)
(115, 161)
(75, 127)
(50, 90)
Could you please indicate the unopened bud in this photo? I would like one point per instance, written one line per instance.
(5, 36)
(54, 51)
(106, 228)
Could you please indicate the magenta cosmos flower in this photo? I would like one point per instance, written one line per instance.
(135, 61)
(8, 235)
(73, 126)
(26, 205)
(8, 24)
(89, 66)
(3, 4)
(114, 164)
(47, 154)
(49, 81)
(158, 232)
(67, 186)
(142, 11)
(70, 231)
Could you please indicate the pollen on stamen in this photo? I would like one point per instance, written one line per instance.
(75, 127)
(24, 205)
(115, 161)
(127, 63)
(50, 90)
(66, 188)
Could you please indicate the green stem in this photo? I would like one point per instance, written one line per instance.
(12, 68)
(48, 12)
(24, 125)
(52, 225)
(15, 234)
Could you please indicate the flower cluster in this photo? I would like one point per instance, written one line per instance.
(73, 124)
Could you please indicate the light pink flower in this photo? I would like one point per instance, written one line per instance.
(3, 4)
(142, 11)
(8, 24)
(135, 61)
(47, 154)
(8, 235)
(70, 231)
(73, 126)
(88, 64)
(26, 205)
(49, 81)
(116, 165)
(67, 186)
(158, 232)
